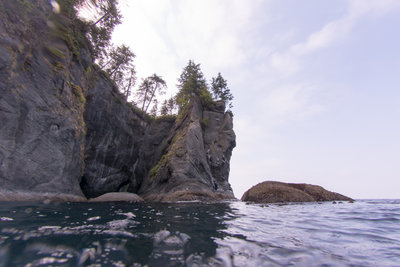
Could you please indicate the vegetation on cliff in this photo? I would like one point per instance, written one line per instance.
(100, 19)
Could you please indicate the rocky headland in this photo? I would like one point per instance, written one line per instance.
(66, 132)
(277, 192)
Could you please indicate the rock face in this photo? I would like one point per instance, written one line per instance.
(114, 134)
(275, 192)
(42, 129)
(66, 130)
(195, 157)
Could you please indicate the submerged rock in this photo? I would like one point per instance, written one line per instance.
(274, 192)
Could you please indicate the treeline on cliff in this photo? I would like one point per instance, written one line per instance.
(97, 19)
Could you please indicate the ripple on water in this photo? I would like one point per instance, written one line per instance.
(195, 234)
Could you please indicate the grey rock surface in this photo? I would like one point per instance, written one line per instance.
(113, 140)
(41, 103)
(186, 171)
(275, 192)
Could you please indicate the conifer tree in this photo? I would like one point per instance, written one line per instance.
(191, 82)
(148, 89)
(221, 91)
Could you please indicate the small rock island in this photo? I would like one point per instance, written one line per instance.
(277, 192)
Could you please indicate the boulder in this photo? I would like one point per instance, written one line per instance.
(275, 192)
(117, 196)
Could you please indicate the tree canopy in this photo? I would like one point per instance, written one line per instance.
(221, 91)
(191, 82)
(148, 89)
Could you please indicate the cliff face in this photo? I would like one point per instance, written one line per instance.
(41, 104)
(65, 129)
(195, 158)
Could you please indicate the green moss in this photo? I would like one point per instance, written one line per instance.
(73, 38)
(59, 67)
(140, 112)
(182, 112)
(154, 170)
(56, 52)
(77, 90)
(170, 118)
(204, 123)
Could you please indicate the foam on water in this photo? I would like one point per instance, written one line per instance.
(364, 233)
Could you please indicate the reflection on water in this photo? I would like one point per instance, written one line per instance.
(365, 233)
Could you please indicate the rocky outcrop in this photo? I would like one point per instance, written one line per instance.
(195, 157)
(66, 130)
(275, 192)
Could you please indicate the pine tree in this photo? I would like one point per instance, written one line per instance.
(191, 82)
(221, 91)
(148, 89)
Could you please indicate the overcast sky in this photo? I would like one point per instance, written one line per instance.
(316, 83)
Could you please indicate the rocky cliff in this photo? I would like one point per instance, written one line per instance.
(195, 157)
(65, 129)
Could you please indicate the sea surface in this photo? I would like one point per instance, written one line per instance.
(363, 233)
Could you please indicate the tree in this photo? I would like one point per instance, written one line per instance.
(168, 107)
(171, 105)
(101, 17)
(119, 66)
(154, 109)
(106, 17)
(221, 91)
(164, 108)
(191, 82)
(148, 89)
(118, 61)
(127, 83)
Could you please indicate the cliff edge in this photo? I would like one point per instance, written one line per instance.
(67, 133)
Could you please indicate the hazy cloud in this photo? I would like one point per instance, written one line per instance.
(289, 61)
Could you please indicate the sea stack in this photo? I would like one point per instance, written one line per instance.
(278, 192)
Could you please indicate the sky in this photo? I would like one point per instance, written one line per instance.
(316, 83)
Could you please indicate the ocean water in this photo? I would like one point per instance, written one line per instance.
(364, 233)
